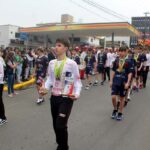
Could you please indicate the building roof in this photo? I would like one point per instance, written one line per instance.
(89, 29)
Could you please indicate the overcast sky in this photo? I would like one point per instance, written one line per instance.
(30, 12)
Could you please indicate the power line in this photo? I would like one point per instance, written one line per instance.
(89, 10)
(106, 10)
(96, 5)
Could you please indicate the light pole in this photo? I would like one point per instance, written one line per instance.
(145, 24)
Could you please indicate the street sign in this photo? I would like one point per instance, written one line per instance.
(24, 36)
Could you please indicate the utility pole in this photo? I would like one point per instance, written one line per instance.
(145, 24)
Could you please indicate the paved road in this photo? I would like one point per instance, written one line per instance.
(30, 126)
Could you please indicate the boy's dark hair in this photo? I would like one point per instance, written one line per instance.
(90, 49)
(1, 50)
(40, 49)
(63, 41)
(101, 47)
(123, 48)
(130, 51)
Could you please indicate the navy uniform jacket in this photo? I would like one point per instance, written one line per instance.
(90, 61)
(77, 60)
(133, 62)
(142, 58)
(102, 57)
(41, 65)
(122, 77)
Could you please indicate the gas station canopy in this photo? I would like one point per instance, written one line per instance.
(90, 29)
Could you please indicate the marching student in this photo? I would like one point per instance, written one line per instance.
(120, 82)
(40, 71)
(75, 55)
(140, 66)
(130, 57)
(101, 62)
(108, 63)
(146, 57)
(64, 80)
(90, 65)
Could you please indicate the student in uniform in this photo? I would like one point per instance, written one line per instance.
(145, 68)
(140, 66)
(64, 79)
(75, 55)
(101, 62)
(130, 58)
(108, 63)
(40, 71)
(90, 63)
(120, 82)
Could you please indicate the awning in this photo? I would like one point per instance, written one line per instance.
(90, 29)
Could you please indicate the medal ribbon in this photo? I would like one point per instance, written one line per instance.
(136, 57)
(121, 64)
(58, 70)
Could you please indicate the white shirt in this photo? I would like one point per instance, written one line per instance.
(1, 73)
(83, 55)
(2, 60)
(109, 60)
(29, 57)
(70, 66)
(113, 57)
(148, 60)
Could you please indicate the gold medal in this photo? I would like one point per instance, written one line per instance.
(121, 65)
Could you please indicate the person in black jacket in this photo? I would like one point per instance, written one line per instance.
(25, 64)
(51, 54)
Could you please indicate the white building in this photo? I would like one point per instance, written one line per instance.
(8, 35)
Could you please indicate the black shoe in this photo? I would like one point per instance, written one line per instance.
(144, 85)
(114, 114)
(3, 121)
(119, 117)
(95, 83)
(59, 148)
(102, 83)
(128, 99)
(90, 84)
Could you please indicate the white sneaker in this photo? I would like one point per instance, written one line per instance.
(87, 87)
(15, 93)
(10, 95)
(129, 98)
(40, 100)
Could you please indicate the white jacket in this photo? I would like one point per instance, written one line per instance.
(1, 73)
(70, 66)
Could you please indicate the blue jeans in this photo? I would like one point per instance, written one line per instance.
(10, 83)
(19, 71)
